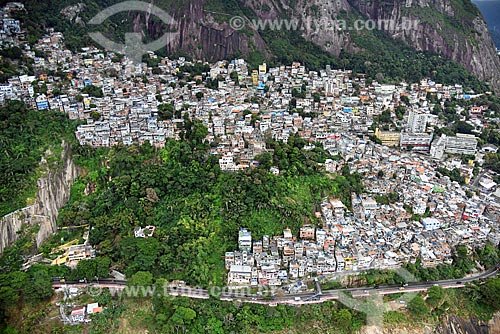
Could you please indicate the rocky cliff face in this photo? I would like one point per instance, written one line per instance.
(450, 325)
(200, 35)
(457, 325)
(53, 193)
(454, 29)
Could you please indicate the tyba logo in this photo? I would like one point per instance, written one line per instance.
(133, 48)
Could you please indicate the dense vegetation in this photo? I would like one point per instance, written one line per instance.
(202, 316)
(13, 62)
(211, 316)
(196, 208)
(381, 59)
(454, 174)
(160, 314)
(25, 135)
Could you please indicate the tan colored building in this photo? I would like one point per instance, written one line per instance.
(388, 138)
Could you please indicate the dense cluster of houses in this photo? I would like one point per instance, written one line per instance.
(10, 28)
(409, 210)
(246, 106)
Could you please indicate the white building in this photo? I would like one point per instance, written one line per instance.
(245, 240)
(419, 207)
(239, 275)
(431, 223)
(226, 162)
(369, 204)
(459, 144)
(438, 146)
(419, 141)
(417, 122)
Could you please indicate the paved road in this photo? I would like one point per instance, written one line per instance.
(474, 183)
(289, 298)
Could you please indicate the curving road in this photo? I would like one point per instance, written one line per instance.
(298, 298)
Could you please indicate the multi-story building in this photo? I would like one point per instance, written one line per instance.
(307, 232)
(417, 122)
(245, 240)
(240, 275)
(431, 223)
(79, 252)
(388, 138)
(438, 146)
(459, 144)
(419, 141)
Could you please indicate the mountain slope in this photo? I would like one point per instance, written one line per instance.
(452, 29)
(491, 13)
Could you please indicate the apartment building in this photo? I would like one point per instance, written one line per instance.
(459, 144)
(388, 138)
(417, 122)
(418, 141)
